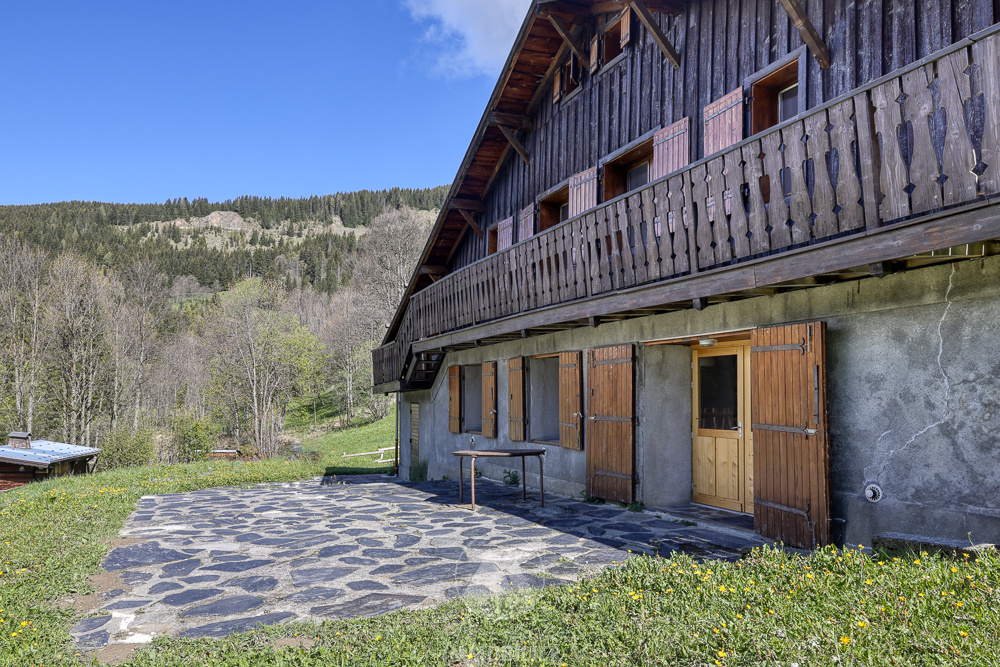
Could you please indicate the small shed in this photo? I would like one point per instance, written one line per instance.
(24, 460)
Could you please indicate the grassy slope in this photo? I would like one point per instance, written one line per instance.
(771, 608)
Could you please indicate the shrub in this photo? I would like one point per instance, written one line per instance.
(190, 438)
(418, 472)
(123, 448)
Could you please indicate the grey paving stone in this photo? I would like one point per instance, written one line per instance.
(466, 591)
(305, 561)
(111, 595)
(202, 579)
(238, 566)
(451, 553)
(355, 560)
(225, 606)
(434, 574)
(337, 550)
(288, 554)
(226, 628)
(228, 558)
(366, 585)
(373, 604)
(416, 561)
(390, 568)
(541, 561)
(253, 584)
(140, 555)
(163, 587)
(127, 604)
(94, 640)
(320, 575)
(602, 557)
(190, 596)
(531, 581)
(404, 541)
(86, 625)
(180, 568)
(384, 554)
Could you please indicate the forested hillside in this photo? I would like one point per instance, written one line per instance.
(300, 242)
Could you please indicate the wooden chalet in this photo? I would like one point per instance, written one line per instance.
(739, 253)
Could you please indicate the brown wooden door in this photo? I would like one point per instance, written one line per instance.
(722, 441)
(791, 453)
(570, 400)
(610, 430)
(489, 409)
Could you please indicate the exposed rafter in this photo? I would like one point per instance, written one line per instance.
(512, 140)
(570, 40)
(511, 120)
(654, 30)
(471, 222)
(808, 31)
(468, 205)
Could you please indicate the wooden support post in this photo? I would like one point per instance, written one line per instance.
(699, 303)
(570, 40)
(507, 132)
(797, 14)
(471, 222)
(654, 30)
(593, 321)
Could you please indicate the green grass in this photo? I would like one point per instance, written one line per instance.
(772, 608)
(331, 446)
(299, 417)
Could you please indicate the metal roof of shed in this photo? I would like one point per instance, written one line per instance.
(44, 453)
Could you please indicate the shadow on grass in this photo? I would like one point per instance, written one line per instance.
(355, 470)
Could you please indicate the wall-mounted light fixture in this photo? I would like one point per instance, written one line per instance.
(707, 342)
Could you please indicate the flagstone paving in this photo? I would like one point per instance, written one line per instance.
(220, 561)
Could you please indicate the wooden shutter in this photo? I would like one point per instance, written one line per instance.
(526, 222)
(626, 28)
(505, 234)
(595, 53)
(724, 122)
(790, 434)
(516, 425)
(582, 192)
(490, 397)
(671, 149)
(610, 430)
(455, 399)
(557, 86)
(570, 399)
(414, 433)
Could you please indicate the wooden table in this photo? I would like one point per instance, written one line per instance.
(473, 454)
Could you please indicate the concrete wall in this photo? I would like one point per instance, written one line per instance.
(913, 398)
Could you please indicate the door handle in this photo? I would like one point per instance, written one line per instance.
(740, 424)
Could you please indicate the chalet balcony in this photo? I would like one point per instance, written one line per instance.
(905, 165)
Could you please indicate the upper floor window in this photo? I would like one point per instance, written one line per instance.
(616, 37)
(567, 79)
(553, 208)
(775, 93)
(629, 170)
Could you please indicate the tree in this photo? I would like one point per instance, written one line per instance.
(261, 352)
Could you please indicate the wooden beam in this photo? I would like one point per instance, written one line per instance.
(471, 222)
(512, 140)
(433, 270)
(805, 27)
(513, 120)
(570, 40)
(468, 205)
(654, 30)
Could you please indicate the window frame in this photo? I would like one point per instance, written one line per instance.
(615, 167)
(549, 202)
(772, 81)
(533, 362)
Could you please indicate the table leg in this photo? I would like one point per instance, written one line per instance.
(524, 481)
(472, 473)
(461, 482)
(541, 480)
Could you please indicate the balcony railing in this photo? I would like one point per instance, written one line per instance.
(921, 139)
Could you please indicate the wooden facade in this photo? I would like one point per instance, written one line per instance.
(699, 153)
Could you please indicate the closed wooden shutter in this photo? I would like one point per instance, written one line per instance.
(724, 122)
(570, 400)
(526, 222)
(505, 234)
(671, 149)
(790, 434)
(414, 433)
(490, 398)
(557, 86)
(610, 430)
(595, 53)
(626, 28)
(517, 423)
(582, 192)
(455, 399)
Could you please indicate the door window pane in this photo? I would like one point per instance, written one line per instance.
(717, 392)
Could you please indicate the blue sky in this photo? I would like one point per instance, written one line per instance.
(141, 101)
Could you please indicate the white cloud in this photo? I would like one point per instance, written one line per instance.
(468, 37)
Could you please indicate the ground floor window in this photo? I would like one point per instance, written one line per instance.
(543, 399)
(472, 398)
